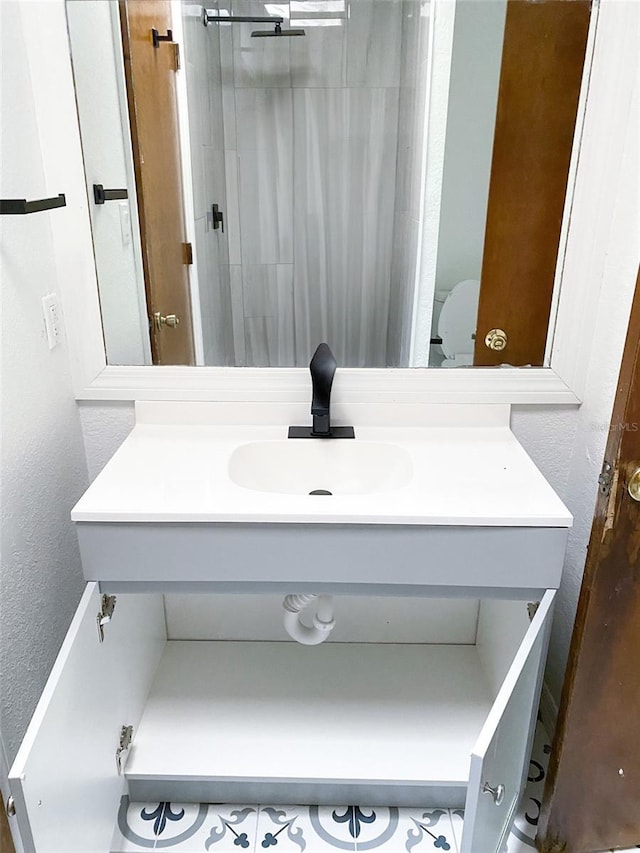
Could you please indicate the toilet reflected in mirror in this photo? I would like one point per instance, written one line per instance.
(455, 314)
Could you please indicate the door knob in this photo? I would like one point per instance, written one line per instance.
(497, 793)
(496, 340)
(160, 320)
(634, 485)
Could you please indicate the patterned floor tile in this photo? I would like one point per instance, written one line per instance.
(318, 829)
(228, 829)
(131, 832)
(423, 830)
(525, 824)
(283, 829)
(158, 826)
(457, 822)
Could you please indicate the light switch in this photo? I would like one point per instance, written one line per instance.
(51, 311)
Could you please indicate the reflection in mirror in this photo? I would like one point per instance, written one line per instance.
(332, 186)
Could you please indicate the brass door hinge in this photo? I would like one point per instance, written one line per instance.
(157, 39)
(187, 253)
(606, 478)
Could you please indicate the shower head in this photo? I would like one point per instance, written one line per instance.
(278, 31)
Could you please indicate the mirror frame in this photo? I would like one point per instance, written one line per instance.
(602, 110)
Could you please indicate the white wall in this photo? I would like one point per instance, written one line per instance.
(43, 462)
(100, 91)
(473, 96)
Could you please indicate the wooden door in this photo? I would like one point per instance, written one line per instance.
(592, 795)
(6, 842)
(151, 90)
(542, 63)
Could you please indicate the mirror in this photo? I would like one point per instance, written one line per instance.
(384, 175)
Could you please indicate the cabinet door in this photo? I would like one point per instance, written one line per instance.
(65, 780)
(501, 753)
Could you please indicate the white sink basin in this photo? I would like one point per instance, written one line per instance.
(338, 466)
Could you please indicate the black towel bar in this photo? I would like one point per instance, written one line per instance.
(12, 206)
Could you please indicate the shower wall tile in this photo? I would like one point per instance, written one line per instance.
(229, 113)
(198, 180)
(409, 164)
(237, 314)
(215, 297)
(258, 62)
(319, 59)
(403, 270)
(268, 309)
(374, 46)
(216, 193)
(265, 139)
(344, 157)
(226, 349)
(411, 23)
(232, 218)
(207, 280)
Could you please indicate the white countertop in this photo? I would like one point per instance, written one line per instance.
(462, 475)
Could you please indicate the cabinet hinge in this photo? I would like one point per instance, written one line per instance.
(532, 609)
(606, 478)
(126, 736)
(187, 253)
(176, 55)
(107, 606)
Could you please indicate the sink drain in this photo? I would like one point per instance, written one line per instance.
(320, 492)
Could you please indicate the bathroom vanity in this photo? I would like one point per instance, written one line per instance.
(447, 508)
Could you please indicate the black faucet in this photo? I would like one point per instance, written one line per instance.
(323, 367)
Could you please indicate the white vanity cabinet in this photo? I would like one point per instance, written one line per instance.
(437, 724)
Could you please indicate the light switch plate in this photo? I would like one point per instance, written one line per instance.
(51, 311)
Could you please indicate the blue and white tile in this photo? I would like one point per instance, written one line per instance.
(228, 829)
(425, 829)
(329, 828)
(525, 824)
(457, 824)
(156, 826)
(284, 829)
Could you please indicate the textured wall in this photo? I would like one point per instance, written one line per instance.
(43, 463)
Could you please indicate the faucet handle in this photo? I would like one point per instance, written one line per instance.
(323, 367)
